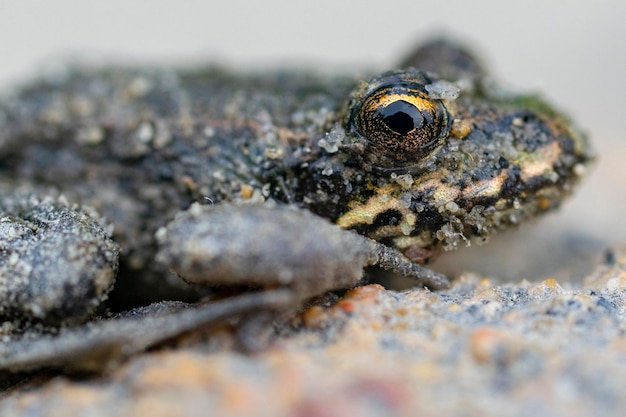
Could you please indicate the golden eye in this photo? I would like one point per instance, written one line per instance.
(398, 120)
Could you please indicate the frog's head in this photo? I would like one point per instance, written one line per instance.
(426, 166)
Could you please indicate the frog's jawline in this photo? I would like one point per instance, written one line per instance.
(514, 164)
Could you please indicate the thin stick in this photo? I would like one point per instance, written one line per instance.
(392, 260)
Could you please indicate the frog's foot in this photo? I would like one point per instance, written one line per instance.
(269, 247)
(56, 261)
(392, 260)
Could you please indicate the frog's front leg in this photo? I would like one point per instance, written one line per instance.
(260, 246)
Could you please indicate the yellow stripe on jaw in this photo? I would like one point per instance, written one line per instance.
(383, 200)
(538, 163)
(486, 188)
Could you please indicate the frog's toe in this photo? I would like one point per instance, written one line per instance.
(56, 262)
(261, 246)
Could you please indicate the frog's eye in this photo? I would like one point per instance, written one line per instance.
(399, 122)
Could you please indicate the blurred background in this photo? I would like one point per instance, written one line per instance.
(574, 53)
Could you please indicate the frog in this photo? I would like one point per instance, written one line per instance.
(273, 188)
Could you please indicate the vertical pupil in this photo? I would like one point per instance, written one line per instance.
(401, 116)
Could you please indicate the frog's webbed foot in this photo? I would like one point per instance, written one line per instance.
(57, 263)
(268, 247)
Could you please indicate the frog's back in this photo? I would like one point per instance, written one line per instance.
(140, 145)
(163, 121)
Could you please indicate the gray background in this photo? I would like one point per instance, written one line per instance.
(574, 52)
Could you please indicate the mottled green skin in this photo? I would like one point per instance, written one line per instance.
(139, 145)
